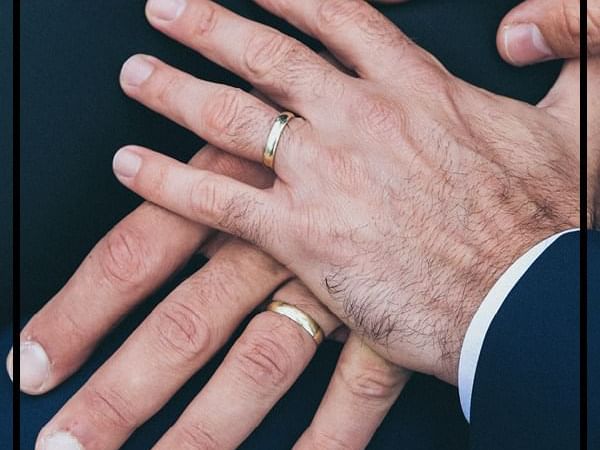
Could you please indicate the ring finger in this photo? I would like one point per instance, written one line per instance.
(363, 388)
(178, 337)
(261, 366)
(228, 118)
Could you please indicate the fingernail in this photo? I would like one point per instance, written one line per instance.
(35, 366)
(136, 70)
(9, 364)
(165, 9)
(126, 163)
(525, 44)
(61, 440)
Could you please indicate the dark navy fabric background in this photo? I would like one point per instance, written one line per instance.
(74, 117)
(527, 380)
(6, 195)
(593, 330)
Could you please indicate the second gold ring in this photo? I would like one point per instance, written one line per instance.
(300, 317)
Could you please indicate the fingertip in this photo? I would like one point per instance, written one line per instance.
(35, 368)
(522, 44)
(59, 440)
(164, 10)
(126, 163)
(501, 44)
(135, 70)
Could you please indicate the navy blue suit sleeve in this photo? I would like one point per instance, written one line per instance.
(526, 388)
(593, 327)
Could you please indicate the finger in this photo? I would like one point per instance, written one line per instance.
(278, 65)
(200, 195)
(362, 390)
(130, 262)
(229, 118)
(539, 30)
(261, 366)
(563, 99)
(362, 38)
(177, 338)
(214, 244)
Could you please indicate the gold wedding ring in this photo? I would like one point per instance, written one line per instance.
(274, 136)
(298, 316)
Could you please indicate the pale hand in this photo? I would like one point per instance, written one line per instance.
(402, 193)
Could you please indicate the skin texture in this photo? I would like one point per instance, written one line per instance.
(147, 246)
(401, 244)
(558, 22)
(593, 145)
(185, 330)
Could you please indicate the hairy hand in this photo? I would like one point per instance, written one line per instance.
(183, 332)
(593, 144)
(402, 193)
(541, 30)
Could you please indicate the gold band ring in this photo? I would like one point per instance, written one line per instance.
(298, 316)
(273, 139)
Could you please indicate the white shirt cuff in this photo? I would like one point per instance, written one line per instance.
(473, 343)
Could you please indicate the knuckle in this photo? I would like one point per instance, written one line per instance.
(380, 118)
(264, 357)
(234, 119)
(159, 182)
(223, 112)
(593, 29)
(109, 408)
(71, 327)
(194, 436)
(238, 216)
(264, 52)
(291, 68)
(374, 29)
(324, 440)
(180, 330)
(370, 384)
(204, 199)
(571, 20)
(205, 20)
(168, 94)
(335, 13)
(124, 257)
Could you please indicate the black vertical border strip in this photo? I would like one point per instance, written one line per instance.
(583, 241)
(16, 222)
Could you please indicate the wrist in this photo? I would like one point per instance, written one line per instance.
(481, 292)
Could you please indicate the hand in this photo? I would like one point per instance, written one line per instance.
(184, 331)
(402, 194)
(540, 30)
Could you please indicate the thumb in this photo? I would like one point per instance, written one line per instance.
(539, 30)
